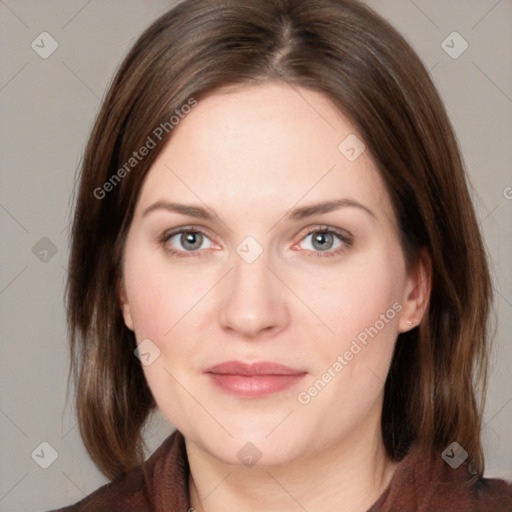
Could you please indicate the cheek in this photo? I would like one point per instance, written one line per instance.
(162, 301)
(360, 296)
(166, 304)
(361, 305)
(160, 296)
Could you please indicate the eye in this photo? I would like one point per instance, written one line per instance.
(186, 240)
(191, 241)
(328, 241)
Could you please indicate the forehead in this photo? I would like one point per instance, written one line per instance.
(268, 145)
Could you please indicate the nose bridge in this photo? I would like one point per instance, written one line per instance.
(251, 270)
(252, 301)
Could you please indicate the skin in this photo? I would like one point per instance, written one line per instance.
(251, 154)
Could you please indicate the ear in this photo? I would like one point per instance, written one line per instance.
(123, 302)
(416, 293)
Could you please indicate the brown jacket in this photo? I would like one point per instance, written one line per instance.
(422, 482)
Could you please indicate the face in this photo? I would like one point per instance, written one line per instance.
(259, 237)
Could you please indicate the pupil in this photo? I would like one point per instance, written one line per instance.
(322, 239)
(192, 238)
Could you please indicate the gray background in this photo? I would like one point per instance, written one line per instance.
(48, 106)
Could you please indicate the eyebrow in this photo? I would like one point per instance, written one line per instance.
(184, 209)
(326, 207)
(295, 214)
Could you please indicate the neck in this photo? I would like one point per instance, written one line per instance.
(354, 472)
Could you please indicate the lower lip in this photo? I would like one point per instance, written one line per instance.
(254, 386)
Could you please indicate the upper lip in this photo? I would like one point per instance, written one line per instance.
(257, 368)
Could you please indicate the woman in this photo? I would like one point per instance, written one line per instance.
(318, 344)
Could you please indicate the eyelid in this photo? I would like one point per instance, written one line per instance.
(345, 237)
(321, 228)
(170, 233)
(184, 229)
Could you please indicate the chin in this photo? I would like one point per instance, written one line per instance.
(252, 446)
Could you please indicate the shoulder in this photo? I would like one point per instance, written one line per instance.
(424, 481)
(160, 480)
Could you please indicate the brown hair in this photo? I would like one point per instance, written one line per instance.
(346, 51)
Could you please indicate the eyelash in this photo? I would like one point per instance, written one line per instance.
(181, 254)
(344, 237)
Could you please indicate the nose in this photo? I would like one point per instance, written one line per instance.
(254, 301)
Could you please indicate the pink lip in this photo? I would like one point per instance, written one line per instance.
(253, 380)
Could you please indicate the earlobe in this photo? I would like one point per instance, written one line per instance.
(417, 292)
(123, 303)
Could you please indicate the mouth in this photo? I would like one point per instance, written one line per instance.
(254, 380)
